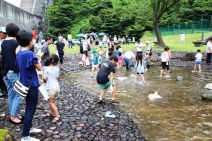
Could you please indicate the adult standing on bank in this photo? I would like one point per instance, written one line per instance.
(209, 50)
(60, 48)
(39, 40)
(45, 54)
(10, 71)
(3, 87)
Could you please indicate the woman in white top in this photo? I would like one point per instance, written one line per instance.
(50, 78)
(139, 46)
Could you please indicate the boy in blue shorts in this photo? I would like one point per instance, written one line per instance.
(198, 61)
(105, 77)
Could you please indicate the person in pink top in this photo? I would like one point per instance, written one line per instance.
(120, 60)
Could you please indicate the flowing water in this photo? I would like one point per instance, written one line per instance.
(180, 115)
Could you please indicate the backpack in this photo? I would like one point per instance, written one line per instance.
(81, 49)
(89, 47)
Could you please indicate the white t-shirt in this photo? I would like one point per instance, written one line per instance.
(129, 55)
(52, 74)
(198, 56)
(139, 47)
(209, 47)
(148, 47)
(85, 45)
(164, 56)
(105, 39)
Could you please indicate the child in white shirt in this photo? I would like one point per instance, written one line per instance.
(198, 61)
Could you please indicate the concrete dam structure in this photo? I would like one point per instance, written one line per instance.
(29, 15)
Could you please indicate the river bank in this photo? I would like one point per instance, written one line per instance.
(82, 118)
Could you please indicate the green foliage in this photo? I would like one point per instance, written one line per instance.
(122, 17)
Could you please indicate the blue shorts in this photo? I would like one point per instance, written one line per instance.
(198, 62)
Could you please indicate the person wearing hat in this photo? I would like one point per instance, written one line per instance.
(3, 87)
(95, 62)
(209, 50)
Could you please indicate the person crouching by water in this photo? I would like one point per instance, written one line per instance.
(50, 78)
(107, 70)
(27, 64)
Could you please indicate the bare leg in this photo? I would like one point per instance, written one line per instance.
(195, 67)
(102, 92)
(161, 73)
(142, 76)
(199, 68)
(53, 107)
(114, 93)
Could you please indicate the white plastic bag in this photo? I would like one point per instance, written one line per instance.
(87, 61)
(44, 92)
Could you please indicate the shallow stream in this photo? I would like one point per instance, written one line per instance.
(180, 115)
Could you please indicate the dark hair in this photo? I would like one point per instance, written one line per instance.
(24, 38)
(198, 50)
(110, 54)
(139, 58)
(119, 53)
(114, 57)
(12, 29)
(54, 59)
(166, 48)
(48, 38)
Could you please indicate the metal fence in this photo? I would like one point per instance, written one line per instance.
(203, 25)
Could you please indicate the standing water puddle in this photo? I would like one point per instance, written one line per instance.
(180, 115)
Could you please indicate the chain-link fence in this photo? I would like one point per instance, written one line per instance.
(203, 25)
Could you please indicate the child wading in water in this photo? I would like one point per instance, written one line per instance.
(50, 77)
(107, 70)
(139, 67)
(198, 62)
(120, 60)
(165, 61)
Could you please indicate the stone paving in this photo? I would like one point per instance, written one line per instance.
(82, 118)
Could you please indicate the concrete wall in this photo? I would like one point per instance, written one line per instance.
(10, 13)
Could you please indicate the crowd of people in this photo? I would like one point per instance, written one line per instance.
(18, 62)
(20, 65)
(139, 59)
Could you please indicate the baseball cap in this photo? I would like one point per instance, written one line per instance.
(3, 29)
(94, 51)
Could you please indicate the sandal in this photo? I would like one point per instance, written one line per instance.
(100, 101)
(56, 119)
(50, 115)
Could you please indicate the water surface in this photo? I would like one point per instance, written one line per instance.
(180, 115)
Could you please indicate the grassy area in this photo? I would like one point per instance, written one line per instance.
(172, 41)
(3, 133)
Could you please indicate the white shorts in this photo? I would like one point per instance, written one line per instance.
(54, 91)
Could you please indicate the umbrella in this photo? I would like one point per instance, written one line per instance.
(101, 34)
(92, 34)
(80, 35)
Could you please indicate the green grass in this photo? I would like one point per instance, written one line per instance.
(3, 133)
(172, 41)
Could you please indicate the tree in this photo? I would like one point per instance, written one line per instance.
(159, 8)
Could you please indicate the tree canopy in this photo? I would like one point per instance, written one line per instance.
(121, 17)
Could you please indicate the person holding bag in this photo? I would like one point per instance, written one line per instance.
(50, 79)
(27, 64)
